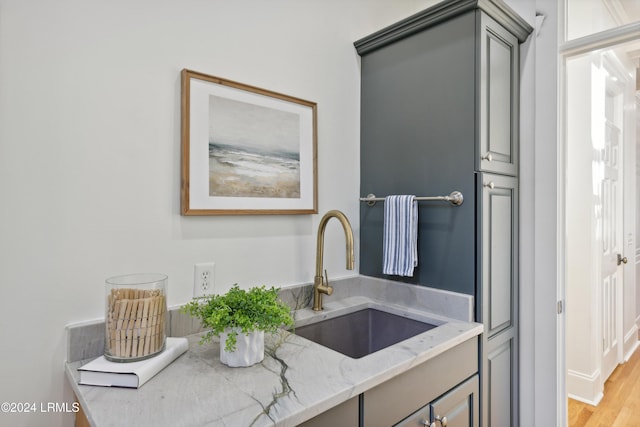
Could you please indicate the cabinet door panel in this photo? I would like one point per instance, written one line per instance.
(499, 91)
(498, 297)
(500, 274)
(499, 216)
(498, 109)
(500, 377)
(459, 406)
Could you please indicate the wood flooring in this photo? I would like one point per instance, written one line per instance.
(620, 406)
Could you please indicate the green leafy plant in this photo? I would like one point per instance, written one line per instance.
(257, 309)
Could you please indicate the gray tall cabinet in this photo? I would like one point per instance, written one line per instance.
(439, 112)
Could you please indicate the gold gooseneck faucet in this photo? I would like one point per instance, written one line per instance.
(320, 283)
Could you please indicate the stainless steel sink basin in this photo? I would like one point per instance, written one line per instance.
(362, 332)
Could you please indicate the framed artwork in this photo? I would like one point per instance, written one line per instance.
(246, 150)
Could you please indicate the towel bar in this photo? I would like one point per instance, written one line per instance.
(455, 198)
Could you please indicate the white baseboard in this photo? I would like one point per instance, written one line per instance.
(583, 387)
(580, 399)
(631, 342)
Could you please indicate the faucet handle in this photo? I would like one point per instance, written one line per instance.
(326, 283)
(324, 286)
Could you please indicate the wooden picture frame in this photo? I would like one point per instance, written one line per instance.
(245, 150)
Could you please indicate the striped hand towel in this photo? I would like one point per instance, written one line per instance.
(400, 241)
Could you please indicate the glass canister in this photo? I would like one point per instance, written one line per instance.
(135, 313)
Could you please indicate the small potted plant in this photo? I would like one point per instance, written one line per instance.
(240, 318)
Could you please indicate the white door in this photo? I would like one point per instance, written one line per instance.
(611, 229)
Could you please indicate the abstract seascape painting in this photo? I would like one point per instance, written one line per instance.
(254, 151)
(245, 150)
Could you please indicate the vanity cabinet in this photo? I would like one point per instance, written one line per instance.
(446, 385)
(432, 385)
(439, 112)
(80, 417)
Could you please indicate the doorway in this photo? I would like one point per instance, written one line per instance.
(599, 119)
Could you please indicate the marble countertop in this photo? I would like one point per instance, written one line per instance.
(297, 380)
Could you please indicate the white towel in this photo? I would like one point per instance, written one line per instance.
(400, 242)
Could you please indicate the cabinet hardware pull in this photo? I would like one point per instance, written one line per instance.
(426, 423)
(488, 157)
(442, 420)
(490, 185)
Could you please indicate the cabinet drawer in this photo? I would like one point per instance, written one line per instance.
(346, 414)
(457, 408)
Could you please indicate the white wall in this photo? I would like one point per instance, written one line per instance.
(586, 17)
(90, 151)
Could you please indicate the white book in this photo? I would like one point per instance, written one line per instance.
(102, 372)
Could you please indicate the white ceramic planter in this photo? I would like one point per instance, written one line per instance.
(249, 349)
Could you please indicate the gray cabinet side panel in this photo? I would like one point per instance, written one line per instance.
(417, 137)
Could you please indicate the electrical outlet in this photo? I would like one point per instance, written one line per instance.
(203, 277)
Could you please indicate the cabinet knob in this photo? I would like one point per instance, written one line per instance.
(441, 420)
(426, 423)
(488, 157)
(490, 185)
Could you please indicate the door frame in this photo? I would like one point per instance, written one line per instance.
(602, 40)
